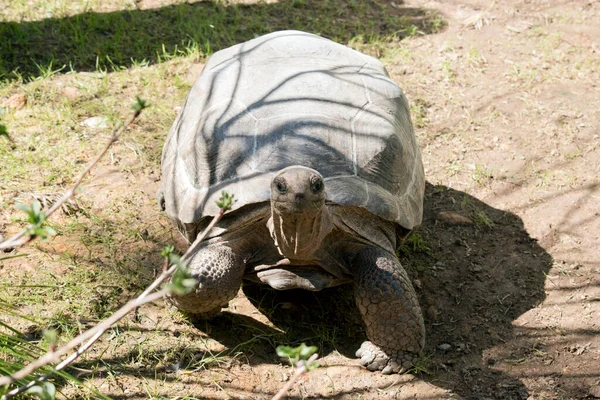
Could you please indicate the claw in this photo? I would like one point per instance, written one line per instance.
(393, 367)
(374, 358)
(367, 358)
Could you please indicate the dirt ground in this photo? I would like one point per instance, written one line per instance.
(506, 104)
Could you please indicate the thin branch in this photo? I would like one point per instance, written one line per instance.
(21, 238)
(201, 237)
(300, 370)
(50, 358)
(89, 337)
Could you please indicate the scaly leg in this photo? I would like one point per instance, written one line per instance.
(219, 272)
(390, 310)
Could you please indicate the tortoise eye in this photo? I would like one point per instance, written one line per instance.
(316, 184)
(281, 186)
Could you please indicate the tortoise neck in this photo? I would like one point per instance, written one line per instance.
(299, 235)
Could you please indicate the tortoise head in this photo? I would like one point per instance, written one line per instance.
(297, 190)
(299, 219)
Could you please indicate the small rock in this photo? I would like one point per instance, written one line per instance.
(16, 101)
(452, 218)
(444, 347)
(432, 313)
(97, 122)
(70, 93)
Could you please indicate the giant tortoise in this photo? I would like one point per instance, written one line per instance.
(315, 141)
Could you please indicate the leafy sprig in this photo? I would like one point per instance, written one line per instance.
(37, 219)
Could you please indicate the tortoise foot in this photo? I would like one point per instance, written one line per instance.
(388, 361)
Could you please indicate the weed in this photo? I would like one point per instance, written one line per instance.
(481, 219)
(483, 176)
(421, 366)
(419, 112)
(475, 59)
(415, 243)
(448, 71)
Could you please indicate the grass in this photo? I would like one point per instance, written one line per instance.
(415, 243)
(89, 37)
(71, 61)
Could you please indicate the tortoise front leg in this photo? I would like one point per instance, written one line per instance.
(389, 307)
(219, 272)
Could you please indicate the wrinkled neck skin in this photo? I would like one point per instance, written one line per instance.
(299, 235)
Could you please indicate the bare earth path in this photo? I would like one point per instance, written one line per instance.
(506, 102)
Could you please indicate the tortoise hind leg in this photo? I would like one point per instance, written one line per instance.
(219, 272)
(390, 310)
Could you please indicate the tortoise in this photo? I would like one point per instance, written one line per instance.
(316, 143)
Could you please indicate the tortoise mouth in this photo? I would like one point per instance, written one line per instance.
(298, 206)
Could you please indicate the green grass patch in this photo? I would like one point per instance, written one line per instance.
(83, 40)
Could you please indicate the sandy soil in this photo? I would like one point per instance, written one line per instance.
(506, 101)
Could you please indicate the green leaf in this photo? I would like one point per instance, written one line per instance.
(45, 391)
(226, 201)
(36, 219)
(4, 132)
(51, 336)
(182, 281)
(139, 105)
(284, 351)
(167, 251)
(307, 351)
(295, 354)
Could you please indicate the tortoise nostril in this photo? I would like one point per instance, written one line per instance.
(299, 197)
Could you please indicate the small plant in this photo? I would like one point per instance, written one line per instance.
(419, 112)
(4, 132)
(226, 201)
(300, 354)
(303, 358)
(36, 219)
(45, 391)
(139, 105)
(448, 71)
(182, 281)
(420, 366)
(482, 219)
(415, 243)
(482, 175)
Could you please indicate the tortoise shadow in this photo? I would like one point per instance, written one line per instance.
(473, 280)
(476, 279)
(92, 41)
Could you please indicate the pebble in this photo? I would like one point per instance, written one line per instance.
(16, 101)
(97, 122)
(452, 218)
(444, 347)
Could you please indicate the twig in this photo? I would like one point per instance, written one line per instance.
(21, 238)
(90, 336)
(194, 245)
(93, 333)
(300, 370)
